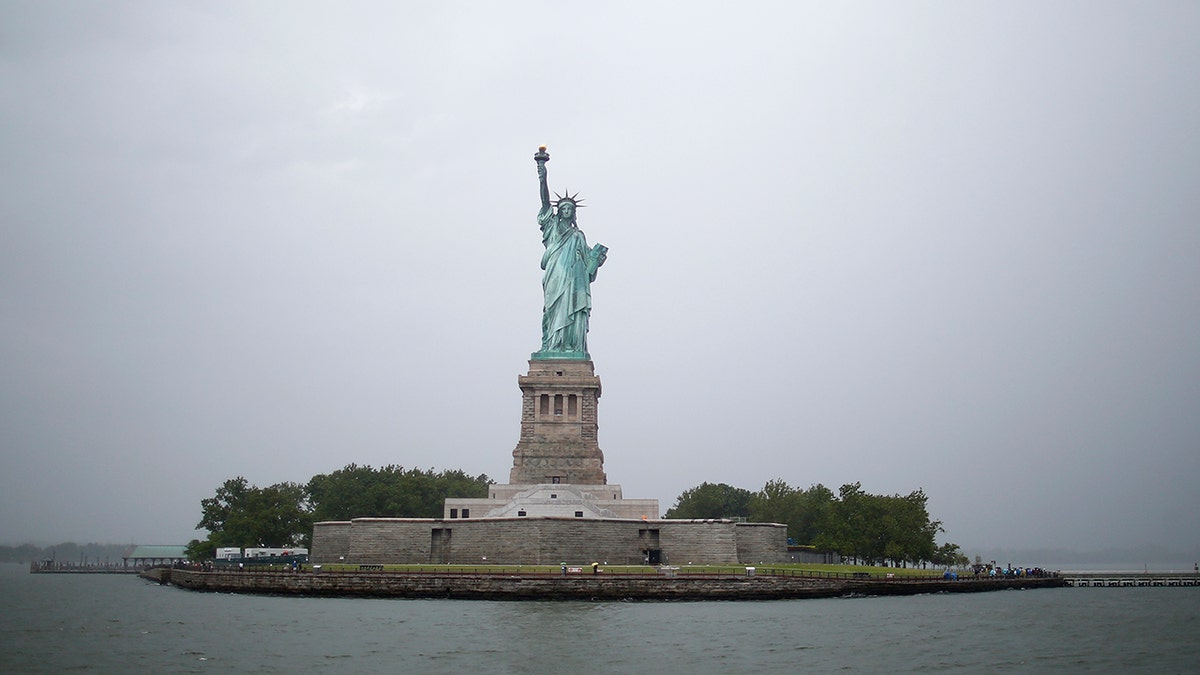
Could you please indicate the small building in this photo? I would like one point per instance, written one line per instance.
(551, 499)
(154, 556)
(810, 555)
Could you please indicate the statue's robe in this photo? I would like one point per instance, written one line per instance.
(566, 283)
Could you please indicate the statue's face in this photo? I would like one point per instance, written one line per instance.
(566, 210)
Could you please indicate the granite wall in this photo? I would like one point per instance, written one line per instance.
(546, 541)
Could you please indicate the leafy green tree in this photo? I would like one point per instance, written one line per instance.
(390, 491)
(243, 515)
(921, 531)
(850, 533)
(948, 555)
(854, 523)
(709, 500)
(807, 513)
(776, 502)
(814, 513)
(198, 550)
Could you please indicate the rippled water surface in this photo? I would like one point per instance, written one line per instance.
(121, 623)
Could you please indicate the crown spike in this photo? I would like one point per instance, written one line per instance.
(566, 196)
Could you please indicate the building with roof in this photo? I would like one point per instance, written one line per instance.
(154, 556)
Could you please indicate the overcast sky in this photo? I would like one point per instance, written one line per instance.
(952, 246)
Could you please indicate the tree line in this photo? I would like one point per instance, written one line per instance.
(855, 524)
(66, 552)
(242, 515)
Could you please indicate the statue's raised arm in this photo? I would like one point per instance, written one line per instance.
(570, 268)
(541, 158)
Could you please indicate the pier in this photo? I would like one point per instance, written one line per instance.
(1126, 579)
(47, 567)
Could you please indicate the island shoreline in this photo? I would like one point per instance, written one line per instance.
(587, 587)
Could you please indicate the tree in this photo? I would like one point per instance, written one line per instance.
(913, 538)
(848, 532)
(281, 515)
(775, 503)
(807, 513)
(813, 514)
(244, 515)
(856, 524)
(948, 555)
(709, 500)
(198, 550)
(391, 491)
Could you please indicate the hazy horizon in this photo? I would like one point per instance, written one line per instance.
(947, 247)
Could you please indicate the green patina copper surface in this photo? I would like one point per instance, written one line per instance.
(569, 269)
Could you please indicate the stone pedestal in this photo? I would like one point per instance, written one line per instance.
(558, 425)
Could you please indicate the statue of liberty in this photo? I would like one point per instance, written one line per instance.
(570, 268)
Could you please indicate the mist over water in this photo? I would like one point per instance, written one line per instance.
(121, 623)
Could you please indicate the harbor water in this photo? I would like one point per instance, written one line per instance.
(120, 623)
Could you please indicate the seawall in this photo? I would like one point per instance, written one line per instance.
(501, 586)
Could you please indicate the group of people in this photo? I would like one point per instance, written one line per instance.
(994, 571)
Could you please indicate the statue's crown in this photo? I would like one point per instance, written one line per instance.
(567, 197)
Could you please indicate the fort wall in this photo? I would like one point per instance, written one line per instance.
(546, 541)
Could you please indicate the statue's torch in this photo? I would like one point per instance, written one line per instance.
(541, 157)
